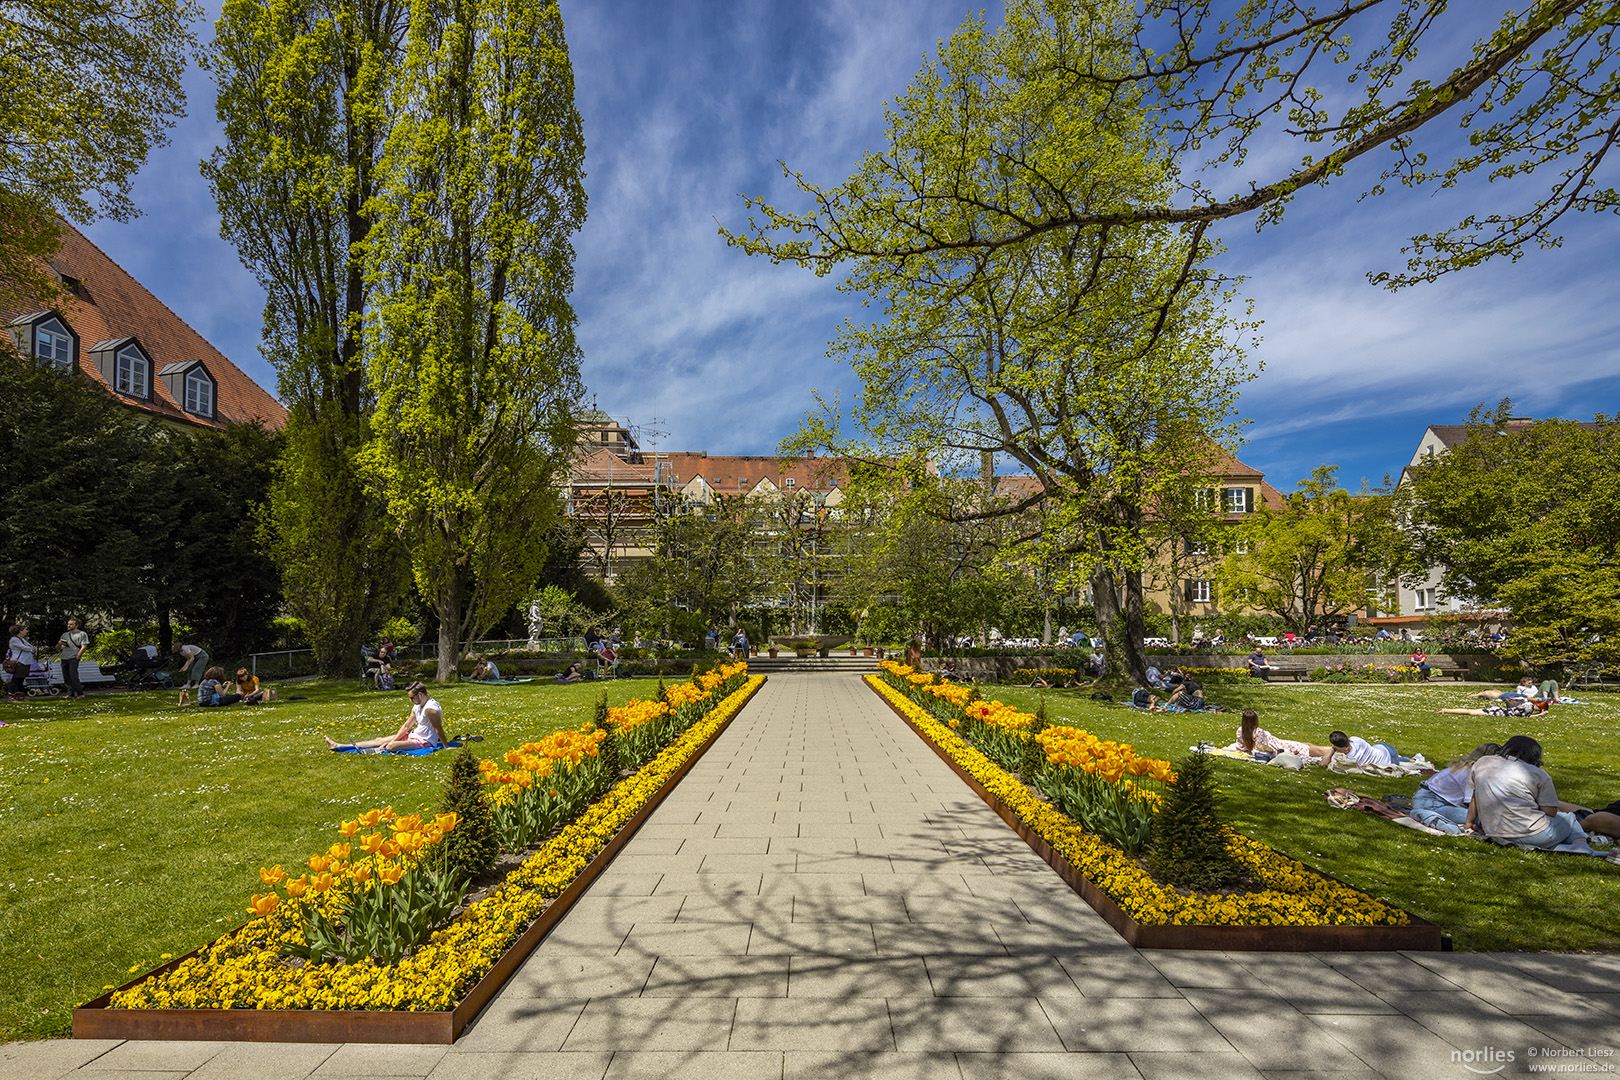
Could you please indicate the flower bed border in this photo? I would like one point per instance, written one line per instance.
(95, 1020)
(1419, 936)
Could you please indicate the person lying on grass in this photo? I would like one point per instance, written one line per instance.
(1506, 707)
(1254, 738)
(1355, 748)
(1527, 690)
(423, 728)
(573, 674)
(1514, 799)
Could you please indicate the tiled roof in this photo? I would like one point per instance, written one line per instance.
(724, 472)
(112, 305)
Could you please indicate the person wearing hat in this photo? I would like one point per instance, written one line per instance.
(423, 728)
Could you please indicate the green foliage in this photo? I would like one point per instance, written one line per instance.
(87, 90)
(471, 334)
(472, 846)
(1034, 756)
(1187, 844)
(400, 630)
(1526, 516)
(1099, 361)
(1308, 560)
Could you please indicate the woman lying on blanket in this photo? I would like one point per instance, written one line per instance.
(1254, 738)
(423, 728)
(1527, 690)
(1506, 707)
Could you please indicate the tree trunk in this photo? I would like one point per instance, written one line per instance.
(448, 608)
(165, 642)
(1117, 599)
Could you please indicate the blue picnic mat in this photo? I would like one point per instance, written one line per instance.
(419, 752)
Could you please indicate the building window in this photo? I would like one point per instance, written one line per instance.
(1197, 546)
(790, 483)
(199, 394)
(51, 343)
(1425, 599)
(1198, 591)
(1240, 545)
(1204, 498)
(134, 375)
(1239, 500)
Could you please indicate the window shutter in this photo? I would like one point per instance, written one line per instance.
(1248, 500)
(1187, 587)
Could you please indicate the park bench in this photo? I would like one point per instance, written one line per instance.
(1298, 674)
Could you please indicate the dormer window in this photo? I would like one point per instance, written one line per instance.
(134, 374)
(199, 393)
(53, 344)
(790, 483)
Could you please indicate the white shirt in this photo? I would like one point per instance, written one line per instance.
(1363, 752)
(21, 651)
(424, 732)
(1455, 788)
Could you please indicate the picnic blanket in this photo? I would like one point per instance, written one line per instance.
(1345, 799)
(498, 682)
(1417, 766)
(423, 751)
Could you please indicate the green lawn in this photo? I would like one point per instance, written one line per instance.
(130, 827)
(1488, 897)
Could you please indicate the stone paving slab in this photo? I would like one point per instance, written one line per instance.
(823, 898)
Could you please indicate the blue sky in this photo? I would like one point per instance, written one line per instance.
(687, 103)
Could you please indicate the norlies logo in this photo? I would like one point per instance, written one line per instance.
(1484, 1061)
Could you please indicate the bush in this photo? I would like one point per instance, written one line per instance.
(1187, 844)
(472, 846)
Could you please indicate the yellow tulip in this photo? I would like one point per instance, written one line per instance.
(320, 883)
(371, 843)
(273, 876)
(318, 863)
(370, 819)
(338, 851)
(391, 874)
(263, 905)
(349, 828)
(296, 887)
(361, 873)
(446, 822)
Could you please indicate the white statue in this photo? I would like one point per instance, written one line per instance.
(535, 623)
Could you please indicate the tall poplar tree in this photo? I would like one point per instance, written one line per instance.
(473, 360)
(303, 100)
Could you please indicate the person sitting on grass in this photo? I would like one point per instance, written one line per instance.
(423, 728)
(1441, 801)
(1355, 748)
(1514, 799)
(248, 686)
(486, 671)
(1257, 740)
(211, 691)
(573, 674)
(1527, 690)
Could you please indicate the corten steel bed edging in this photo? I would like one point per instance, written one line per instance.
(1419, 936)
(95, 1020)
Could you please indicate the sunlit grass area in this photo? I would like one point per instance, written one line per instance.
(131, 827)
(1486, 896)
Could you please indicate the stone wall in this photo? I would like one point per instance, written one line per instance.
(999, 668)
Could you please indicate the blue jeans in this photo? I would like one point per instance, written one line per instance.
(1563, 829)
(1394, 754)
(1431, 810)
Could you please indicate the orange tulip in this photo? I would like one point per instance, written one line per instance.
(318, 863)
(389, 850)
(361, 873)
(446, 822)
(338, 851)
(296, 887)
(370, 819)
(371, 843)
(273, 876)
(349, 828)
(320, 883)
(263, 905)
(391, 874)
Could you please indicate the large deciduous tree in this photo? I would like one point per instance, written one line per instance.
(473, 362)
(1264, 100)
(1310, 559)
(87, 89)
(1526, 516)
(303, 100)
(1096, 358)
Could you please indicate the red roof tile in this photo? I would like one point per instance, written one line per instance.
(723, 472)
(113, 305)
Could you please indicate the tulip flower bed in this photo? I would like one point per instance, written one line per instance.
(1297, 908)
(252, 984)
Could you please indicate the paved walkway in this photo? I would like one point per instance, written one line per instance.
(822, 897)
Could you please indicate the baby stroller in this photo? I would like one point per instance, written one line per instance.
(38, 681)
(141, 670)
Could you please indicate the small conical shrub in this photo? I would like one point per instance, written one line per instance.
(663, 691)
(1187, 845)
(599, 717)
(472, 846)
(1034, 755)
